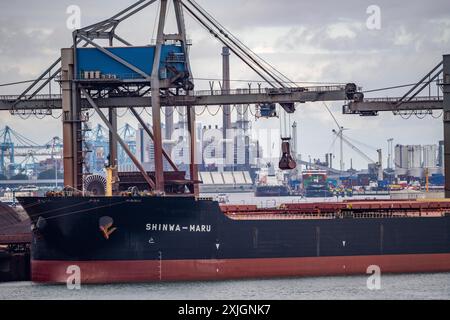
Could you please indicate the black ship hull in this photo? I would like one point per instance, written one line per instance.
(121, 239)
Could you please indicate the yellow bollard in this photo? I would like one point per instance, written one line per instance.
(109, 181)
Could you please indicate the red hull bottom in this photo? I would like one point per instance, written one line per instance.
(179, 270)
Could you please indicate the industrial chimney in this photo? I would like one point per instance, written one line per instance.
(226, 88)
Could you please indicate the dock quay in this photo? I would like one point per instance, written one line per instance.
(15, 240)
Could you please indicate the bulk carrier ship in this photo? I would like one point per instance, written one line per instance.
(126, 239)
(153, 226)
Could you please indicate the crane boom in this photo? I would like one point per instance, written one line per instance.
(355, 148)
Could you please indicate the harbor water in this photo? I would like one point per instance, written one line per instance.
(392, 287)
(398, 286)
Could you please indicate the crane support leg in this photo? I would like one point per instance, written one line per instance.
(193, 147)
(156, 101)
(113, 160)
(73, 157)
(446, 104)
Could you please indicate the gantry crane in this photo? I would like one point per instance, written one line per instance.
(14, 145)
(164, 80)
(413, 102)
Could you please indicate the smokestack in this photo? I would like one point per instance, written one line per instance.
(169, 122)
(294, 140)
(226, 88)
(226, 83)
(380, 164)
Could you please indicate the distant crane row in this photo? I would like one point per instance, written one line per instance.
(15, 146)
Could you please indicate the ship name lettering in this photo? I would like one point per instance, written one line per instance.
(199, 228)
(162, 227)
(165, 227)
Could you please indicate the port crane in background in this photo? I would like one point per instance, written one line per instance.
(128, 134)
(16, 150)
(96, 146)
(339, 133)
(378, 165)
(14, 145)
(157, 88)
(415, 103)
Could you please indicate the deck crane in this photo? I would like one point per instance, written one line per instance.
(164, 80)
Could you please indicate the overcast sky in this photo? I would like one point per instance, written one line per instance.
(323, 41)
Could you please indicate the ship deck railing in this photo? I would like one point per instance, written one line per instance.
(276, 215)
